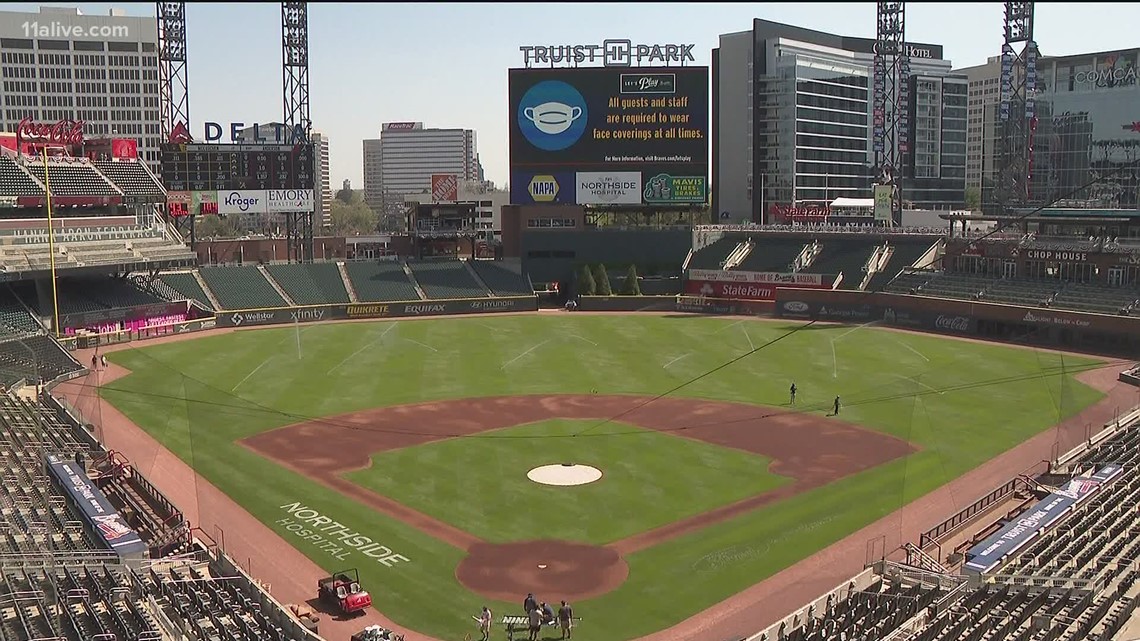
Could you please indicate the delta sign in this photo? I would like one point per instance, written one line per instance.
(272, 133)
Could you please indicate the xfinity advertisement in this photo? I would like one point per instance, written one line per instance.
(629, 136)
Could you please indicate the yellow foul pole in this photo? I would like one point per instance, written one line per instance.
(51, 249)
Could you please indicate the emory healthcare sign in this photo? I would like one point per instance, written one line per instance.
(611, 53)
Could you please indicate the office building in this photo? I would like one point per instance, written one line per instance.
(481, 196)
(406, 155)
(984, 98)
(59, 64)
(935, 164)
(791, 121)
(1088, 131)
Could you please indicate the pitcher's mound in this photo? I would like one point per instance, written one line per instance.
(565, 475)
(552, 570)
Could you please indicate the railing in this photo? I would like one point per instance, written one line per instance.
(934, 534)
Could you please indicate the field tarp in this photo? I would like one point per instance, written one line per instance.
(101, 517)
(1016, 534)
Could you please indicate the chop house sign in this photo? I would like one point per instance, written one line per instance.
(64, 132)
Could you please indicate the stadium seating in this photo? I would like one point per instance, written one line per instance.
(771, 255)
(310, 284)
(378, 282)
(903, 255)
(15, 319)
(1098, 299)
(241, 288)
(713, 255)
(441, 279)
(505, 278)
(77, 178)
(847, 257)
(14, 181)
(131, 177)
(181, 286)
(34, 357)
(1025, 293)
(1032, 293)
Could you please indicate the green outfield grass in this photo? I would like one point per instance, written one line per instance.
(961, 403)
(649, 480)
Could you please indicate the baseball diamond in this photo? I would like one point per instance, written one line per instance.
(401, 448)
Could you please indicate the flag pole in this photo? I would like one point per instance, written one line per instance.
(51, 248)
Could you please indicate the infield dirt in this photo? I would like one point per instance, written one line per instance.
(808, 448)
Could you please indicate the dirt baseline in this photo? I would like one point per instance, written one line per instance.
(808, 448)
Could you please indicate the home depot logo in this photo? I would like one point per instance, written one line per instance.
(180, 135)
(543, 189)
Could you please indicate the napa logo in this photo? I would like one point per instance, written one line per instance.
(543, 189)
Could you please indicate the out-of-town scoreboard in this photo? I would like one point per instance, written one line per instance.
(194, 167)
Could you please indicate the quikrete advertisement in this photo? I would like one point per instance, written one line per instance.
(650, 121)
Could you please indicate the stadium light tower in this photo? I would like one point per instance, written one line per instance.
(1017, 115)
(173, 77)
(891, 98)
(295, 83)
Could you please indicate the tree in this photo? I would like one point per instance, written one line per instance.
(215, 227)
(973, 198)
(602, 281)
(586, 283)
(352, 218)
(631, 287)
(346, 194)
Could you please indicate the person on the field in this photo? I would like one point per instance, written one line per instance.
(530, 603)
(793, 393)
(535, 620)
(547, 613)
(566, 620)
(836, 412)
(485, 623)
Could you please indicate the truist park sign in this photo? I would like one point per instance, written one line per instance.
(63, 132)
(610, 53)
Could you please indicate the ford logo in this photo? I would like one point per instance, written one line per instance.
(796, 307)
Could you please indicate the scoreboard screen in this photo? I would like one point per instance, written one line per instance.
(198, 167)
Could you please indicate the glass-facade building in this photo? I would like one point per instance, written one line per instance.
(935, 176)
(791, 114)
(1087, 143)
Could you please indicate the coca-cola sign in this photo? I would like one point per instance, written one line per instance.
(64, 132)
(952, 323)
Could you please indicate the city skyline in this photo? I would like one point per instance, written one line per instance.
(415, 63)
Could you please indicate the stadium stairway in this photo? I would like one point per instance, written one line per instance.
(478, 279)
(276, 286)
(412, 277)
(348, 287)
(214, 304)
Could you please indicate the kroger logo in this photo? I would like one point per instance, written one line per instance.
(552, 115)
(244, 203)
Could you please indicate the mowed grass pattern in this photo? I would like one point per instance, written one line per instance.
(650, 479)
(961, 403)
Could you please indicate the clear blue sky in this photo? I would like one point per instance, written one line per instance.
(446, 64)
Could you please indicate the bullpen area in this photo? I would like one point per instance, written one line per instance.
(614, 461)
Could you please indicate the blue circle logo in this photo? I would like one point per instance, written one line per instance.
(552, 115)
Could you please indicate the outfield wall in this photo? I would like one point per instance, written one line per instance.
(680, 304)
(353, 311)
(1078, 331)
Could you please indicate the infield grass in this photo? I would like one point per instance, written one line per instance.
(479, 484)
(961, 403)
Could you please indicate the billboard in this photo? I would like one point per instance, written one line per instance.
(242, 202)
(605, 125)
(444, 188)
(544, 187)
(288, 200)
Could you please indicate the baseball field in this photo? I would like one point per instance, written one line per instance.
(402, 448)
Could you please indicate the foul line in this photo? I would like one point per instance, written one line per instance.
(751, 345)
(666, 365)
(357, 352)
(920, 354)
(729, 326)
(583, 339)
(525, 353)
(247, 376)
(834, 361)
(421, 344)
(917, 382)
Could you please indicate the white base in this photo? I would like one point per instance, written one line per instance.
(564, 475)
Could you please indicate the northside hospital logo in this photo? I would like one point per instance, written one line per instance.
(552, 115)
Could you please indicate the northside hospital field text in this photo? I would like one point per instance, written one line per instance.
(649, 119)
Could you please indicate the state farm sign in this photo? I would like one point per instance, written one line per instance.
(738, 291)
(64, 132)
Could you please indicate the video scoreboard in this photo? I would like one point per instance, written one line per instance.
(234, 167)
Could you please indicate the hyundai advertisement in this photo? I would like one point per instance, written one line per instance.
(610, 136)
